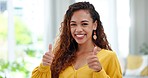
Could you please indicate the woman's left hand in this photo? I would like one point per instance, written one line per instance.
(93, 61)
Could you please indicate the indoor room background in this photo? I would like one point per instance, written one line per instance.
(27, 27)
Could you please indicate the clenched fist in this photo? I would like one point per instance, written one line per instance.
(48, 57)
(93, 61)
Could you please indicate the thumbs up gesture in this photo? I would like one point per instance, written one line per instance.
(93, 61)
(48, 57)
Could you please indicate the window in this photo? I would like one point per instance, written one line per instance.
(21, 36)
(3, 29)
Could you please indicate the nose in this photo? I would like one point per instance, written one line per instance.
(79, 28)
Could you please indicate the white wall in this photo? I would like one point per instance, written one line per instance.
(139, 24)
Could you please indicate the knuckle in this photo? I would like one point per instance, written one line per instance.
(43, 56)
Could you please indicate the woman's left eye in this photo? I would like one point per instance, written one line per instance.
(84, 24)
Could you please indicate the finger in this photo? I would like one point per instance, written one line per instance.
(93, 63)
(46, 64)
(50, 50)
(50, 47)
(49, 54)
(47, 60)
(95, 67)
(92, 60)
(91, 57)
(48, 57)
(95, 50)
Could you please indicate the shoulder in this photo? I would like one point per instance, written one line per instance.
(107, 54)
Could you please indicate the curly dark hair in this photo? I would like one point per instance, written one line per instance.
(65, 47)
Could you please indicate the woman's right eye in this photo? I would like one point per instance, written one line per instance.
(72, 24)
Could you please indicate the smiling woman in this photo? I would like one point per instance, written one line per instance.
(82, 26)
(81, 50)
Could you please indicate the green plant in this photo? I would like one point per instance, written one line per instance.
(30, 52)
(3, 65)
(22, 33)
(144, 49)
(14, 67)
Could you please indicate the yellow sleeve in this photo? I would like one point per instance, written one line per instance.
(41, 72)
(113, 68)
(101, 74)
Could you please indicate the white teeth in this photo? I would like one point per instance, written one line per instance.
(79, 35)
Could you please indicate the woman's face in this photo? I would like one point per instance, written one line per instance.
(82, 26)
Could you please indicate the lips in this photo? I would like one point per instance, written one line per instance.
(80, 36)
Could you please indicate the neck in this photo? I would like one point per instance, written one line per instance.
(87, 47)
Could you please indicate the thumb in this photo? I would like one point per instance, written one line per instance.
(95, 50)
(50, 47)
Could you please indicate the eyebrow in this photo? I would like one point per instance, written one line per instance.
(73, 21)
(81, 21)
(85, 21)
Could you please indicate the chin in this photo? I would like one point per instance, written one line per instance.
(80, 42)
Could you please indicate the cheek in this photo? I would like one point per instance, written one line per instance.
(90, 32)
(72, 31)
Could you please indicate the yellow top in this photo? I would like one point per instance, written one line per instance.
(108, 59)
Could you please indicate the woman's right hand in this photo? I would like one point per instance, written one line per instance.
(48, 57)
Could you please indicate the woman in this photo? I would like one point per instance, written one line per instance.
(82, 49)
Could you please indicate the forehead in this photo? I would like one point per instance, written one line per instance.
(81, 15)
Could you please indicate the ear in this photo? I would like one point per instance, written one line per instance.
(95, 25)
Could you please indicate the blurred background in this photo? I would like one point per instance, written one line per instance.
(28, 26)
